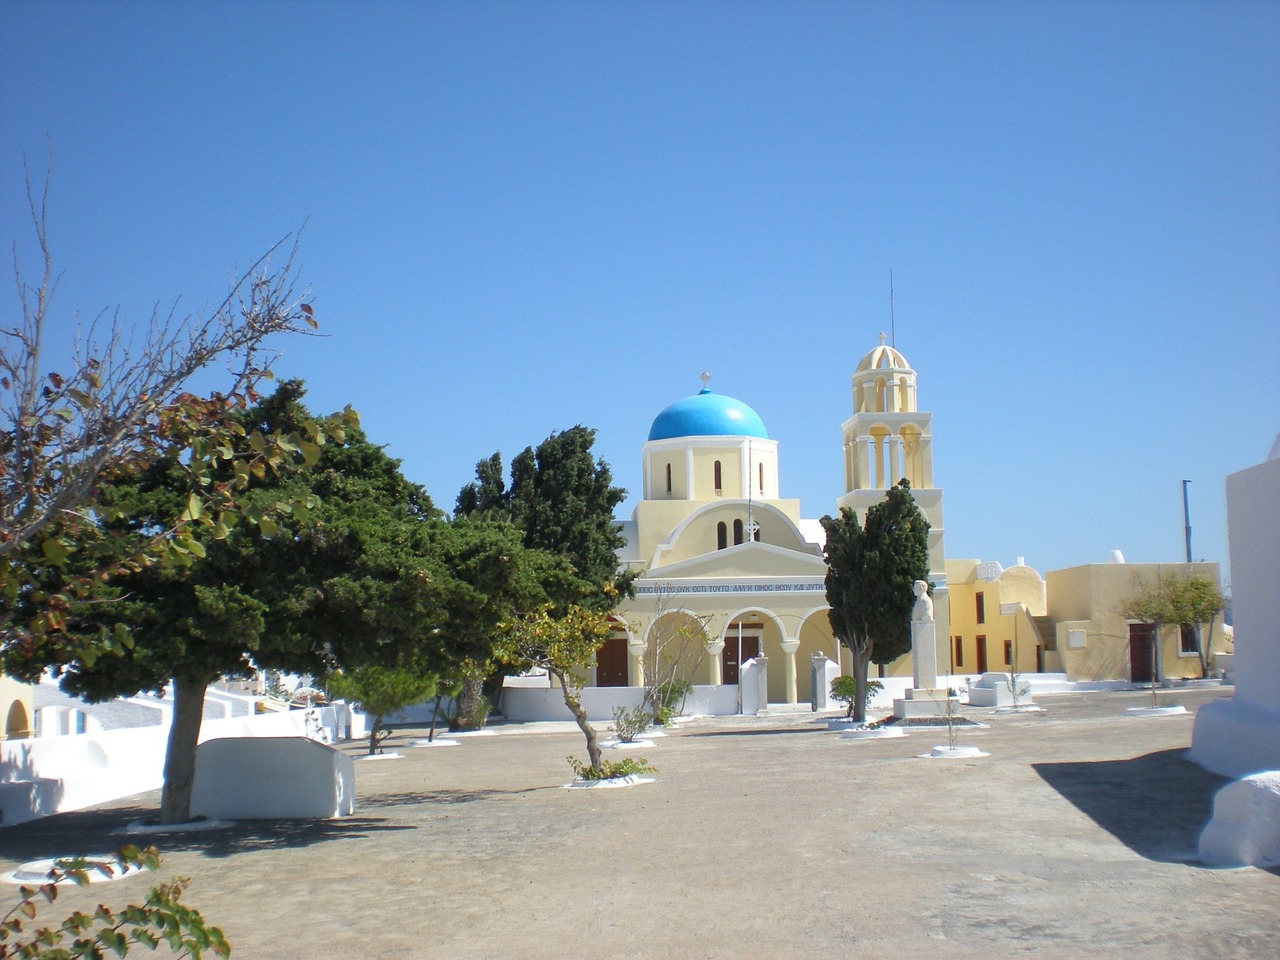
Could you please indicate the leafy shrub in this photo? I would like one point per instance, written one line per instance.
(630, 723)
(611, 769)
(668, 699)
(845, 689)
(163, 918)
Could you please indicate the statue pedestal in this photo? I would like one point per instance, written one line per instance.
(925, 702)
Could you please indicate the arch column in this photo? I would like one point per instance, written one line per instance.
(635, 676)
(789, 648)
(867, 468)
(714, 649)
(895, 460)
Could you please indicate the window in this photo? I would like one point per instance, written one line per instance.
(980, 603)
(719, 486)
(668, 478)
(722, 536)
(762, 479)
(1187, 641)
(737, 532)
(1008, 653)
(959, 644)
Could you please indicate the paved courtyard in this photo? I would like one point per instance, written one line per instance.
(761, 837)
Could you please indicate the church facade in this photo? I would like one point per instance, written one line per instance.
(728, 569)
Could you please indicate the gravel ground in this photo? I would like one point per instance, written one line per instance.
(760, 837)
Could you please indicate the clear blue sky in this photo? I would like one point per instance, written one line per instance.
(523, 216)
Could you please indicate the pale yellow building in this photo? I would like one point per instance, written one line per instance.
(729, 570)
(1069, 622)
(996, 618)
(1092, 640)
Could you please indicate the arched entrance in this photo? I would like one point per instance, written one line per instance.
(612, 662)
(17, 725)
(741, 643)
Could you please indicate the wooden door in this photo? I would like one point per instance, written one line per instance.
(611, 663)
(1141, 646)
(982, 654)
(737, 651)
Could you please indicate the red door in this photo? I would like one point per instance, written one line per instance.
(982, 654)
(611, 663)
(1141, 647)
(737, 651)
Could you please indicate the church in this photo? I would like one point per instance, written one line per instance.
(727, 568)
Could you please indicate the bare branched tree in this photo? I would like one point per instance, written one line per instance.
(676, 647)
(64, 428)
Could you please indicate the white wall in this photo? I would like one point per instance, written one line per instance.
(48, 775)
(1241, 736)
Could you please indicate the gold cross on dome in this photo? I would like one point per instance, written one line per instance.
(705, 378)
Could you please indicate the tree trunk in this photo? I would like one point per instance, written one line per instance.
(861, 661)
(373, 734)
(435, 715)
(580, 717)
(464, 710)
(180, 757)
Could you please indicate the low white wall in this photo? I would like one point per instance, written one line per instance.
(48, 775)
(246, 778)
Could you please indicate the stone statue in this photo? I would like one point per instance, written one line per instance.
(923, 610)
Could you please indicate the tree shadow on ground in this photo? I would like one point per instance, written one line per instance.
(1156, 804)
(92, 832)
(755, 733)
(443, 796)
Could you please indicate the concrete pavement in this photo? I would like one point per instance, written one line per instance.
(761, 837)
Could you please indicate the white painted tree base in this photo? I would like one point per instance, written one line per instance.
(627, 744)
(848, 723)
(876, 733)
(474, 733)
(953, 753)
(35, 872)
(1154, 711)
(379, 756)
(1020, 708)
(433, 743)
(631, 780)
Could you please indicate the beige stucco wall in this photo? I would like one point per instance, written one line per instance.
(1087, 600)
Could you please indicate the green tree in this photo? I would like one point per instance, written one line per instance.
(565, 646)
(562, 498)
(493, 579)
(340, 578)
(115, 401)
(1174, 598)
(379, 691)
(871, 568)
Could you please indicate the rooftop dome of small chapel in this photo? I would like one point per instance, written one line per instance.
(707, 414)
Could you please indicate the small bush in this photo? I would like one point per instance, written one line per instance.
(668, 699)
(630, 723)
(845, 689)
(611, 769)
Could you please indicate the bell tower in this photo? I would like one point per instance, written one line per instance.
(889, 438)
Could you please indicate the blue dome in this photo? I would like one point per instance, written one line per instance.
(707, 414)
